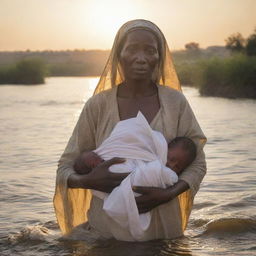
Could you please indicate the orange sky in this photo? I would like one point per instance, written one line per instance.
(84, 24)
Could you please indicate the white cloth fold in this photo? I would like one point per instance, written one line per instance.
(145, 151)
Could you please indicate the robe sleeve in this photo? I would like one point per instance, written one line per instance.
(71, 205)
(189, 127)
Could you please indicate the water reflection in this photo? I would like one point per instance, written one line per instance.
(36, 124)
(112, 247)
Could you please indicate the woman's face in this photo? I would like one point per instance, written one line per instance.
(139, 55)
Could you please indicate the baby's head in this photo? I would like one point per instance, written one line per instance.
(181, 153)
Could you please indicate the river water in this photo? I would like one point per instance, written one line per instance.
(37, 121)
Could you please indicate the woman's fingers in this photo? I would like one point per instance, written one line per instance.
(112, 184)
(100, 178)
(145, 199)
(142, 201)
(150, 198)
(144, 210)
(143, 204)
(119, 176)
(114, 160)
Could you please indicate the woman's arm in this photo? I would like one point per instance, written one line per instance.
(191, 177)
(100, 178)
(189, 127)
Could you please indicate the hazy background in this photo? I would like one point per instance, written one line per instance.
(84, 24)
(54, 44)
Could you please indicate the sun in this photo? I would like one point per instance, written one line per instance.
(104, 18)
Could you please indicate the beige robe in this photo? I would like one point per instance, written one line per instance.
(98, 118)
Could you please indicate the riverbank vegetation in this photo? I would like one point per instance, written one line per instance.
(217, 71)
(62, 63)
(28, 71)
(91, 63)
(233, 76)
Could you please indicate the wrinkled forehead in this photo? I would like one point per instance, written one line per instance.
(139, 35)
(140, 25)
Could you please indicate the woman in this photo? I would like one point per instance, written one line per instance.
(139, 75)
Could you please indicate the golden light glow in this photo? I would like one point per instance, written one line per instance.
(92, 24)
(106, 17)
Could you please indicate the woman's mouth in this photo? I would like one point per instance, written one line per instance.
(140, 71)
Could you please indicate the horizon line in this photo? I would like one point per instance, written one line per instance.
(93, 49)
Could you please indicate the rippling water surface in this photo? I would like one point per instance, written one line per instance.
(37, 121)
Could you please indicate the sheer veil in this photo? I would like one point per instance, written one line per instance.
(164, 74)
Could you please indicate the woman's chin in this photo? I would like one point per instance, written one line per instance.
(140, 76)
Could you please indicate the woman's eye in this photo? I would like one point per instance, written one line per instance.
(151, 50)
(131, 49)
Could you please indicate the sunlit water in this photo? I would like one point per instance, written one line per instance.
(36, 122)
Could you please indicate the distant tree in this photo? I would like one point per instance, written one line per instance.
(29, 71)
(192, 46)
(250, 47)
(235, 42)
(26, 71)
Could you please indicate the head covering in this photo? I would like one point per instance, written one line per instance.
(165, 73)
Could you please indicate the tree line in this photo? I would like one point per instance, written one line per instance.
(233, 76)
(228, 71)
(238, 44)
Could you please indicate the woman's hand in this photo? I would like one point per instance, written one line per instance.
(152, 197)
(100, 178)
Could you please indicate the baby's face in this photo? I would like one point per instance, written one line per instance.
(177, 159)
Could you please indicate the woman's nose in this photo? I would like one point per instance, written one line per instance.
(140, 57)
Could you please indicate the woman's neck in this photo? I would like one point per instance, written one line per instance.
(137, 88)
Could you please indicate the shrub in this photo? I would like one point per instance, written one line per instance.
(27, 71)
(232, 77)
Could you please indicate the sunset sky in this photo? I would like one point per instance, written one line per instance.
(92, 24)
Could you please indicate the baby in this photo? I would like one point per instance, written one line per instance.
(181, 153)
(151, 162)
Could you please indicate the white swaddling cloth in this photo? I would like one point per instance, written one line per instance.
(145, 151)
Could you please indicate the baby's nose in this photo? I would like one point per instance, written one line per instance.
(175, 168)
